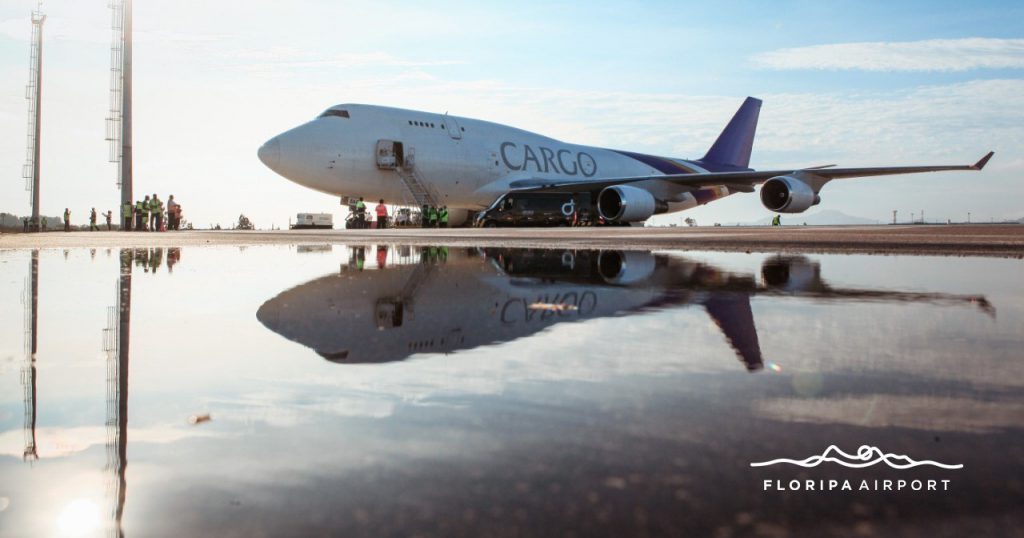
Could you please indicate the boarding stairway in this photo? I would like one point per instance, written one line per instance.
(419, 192)
(394, 155)
(390, 311)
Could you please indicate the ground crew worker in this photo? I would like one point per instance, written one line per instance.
(425, 216)
(92, 221)
(109, 215)
(173, 218)
(154, 213)
(145, 214)
(432, 217)
(360, 213)
(382, 215)
(138, 215)
(126, 216)
(158, 212)
(67, 220)
(442, 217)
(777, 220)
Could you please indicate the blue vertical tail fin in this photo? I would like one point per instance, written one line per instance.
(732, 149)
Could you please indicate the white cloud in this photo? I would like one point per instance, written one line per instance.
(927, 55)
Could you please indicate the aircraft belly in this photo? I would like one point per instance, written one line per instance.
(393, 313)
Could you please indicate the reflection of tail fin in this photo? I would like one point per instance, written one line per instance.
(731, 312)
(734, 145)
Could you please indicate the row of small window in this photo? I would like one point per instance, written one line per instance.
(428, 124)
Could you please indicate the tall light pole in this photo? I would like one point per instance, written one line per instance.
(34, 94)
(119, 123)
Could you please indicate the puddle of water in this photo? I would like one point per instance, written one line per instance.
(450, 391)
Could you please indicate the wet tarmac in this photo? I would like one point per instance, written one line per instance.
(319, 389)
(991, 240)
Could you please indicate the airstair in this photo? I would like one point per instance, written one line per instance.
(393, 155)
(390, 311)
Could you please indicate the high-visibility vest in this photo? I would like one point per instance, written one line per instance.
(126, 210)
(444, 216)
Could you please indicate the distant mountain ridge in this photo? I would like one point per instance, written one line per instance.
(827, 217)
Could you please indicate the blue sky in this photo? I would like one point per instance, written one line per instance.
(853, 83)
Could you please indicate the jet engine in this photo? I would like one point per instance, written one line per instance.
(793, 274)
(624, 268)
(787, 194)
(622, 203)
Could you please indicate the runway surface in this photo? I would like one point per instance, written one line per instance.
(955, 240)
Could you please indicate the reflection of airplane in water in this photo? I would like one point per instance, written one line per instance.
(462, 299)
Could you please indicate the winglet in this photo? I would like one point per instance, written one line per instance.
(984, 160)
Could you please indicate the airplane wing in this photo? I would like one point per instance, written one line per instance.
(739, 181)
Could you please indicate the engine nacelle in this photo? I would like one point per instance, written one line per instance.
(622, 203)
(624, 268)
(787, 194)
(793, 274)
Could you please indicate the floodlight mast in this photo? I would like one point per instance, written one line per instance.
(34, 93)
(119, 123)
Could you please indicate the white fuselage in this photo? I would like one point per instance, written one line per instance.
(465, 163)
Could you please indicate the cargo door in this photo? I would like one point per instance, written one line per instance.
(386, 158)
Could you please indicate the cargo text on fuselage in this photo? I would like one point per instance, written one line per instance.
(562, 161)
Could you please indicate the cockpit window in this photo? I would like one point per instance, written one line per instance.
(332, 112)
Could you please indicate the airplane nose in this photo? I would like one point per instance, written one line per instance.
(270, 153)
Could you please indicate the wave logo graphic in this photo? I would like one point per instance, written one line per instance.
(866, 456)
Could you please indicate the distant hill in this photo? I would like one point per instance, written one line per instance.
(827, 217)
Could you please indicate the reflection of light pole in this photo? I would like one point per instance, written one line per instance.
(29, 373)
(117, 389)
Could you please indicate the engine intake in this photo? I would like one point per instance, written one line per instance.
(793, 274)
(624, 267)
(622, 203)
(786, 194)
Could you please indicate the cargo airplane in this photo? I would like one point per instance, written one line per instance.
(448, 300)
(409, 157)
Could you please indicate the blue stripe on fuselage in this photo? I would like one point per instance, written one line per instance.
(660, 164)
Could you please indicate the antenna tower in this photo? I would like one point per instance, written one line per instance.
(34, 92)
